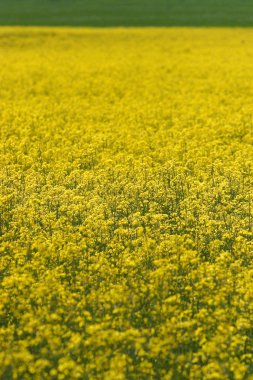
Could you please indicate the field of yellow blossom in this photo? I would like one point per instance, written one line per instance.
(126, 204)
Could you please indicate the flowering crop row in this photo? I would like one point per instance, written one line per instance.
(126, 204)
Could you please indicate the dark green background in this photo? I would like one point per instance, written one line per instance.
(127, 12)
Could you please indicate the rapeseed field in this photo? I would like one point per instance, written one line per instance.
(126, 204)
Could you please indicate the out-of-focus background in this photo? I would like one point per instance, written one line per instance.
(127, 12)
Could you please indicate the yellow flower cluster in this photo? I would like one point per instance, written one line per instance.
(126, 204)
